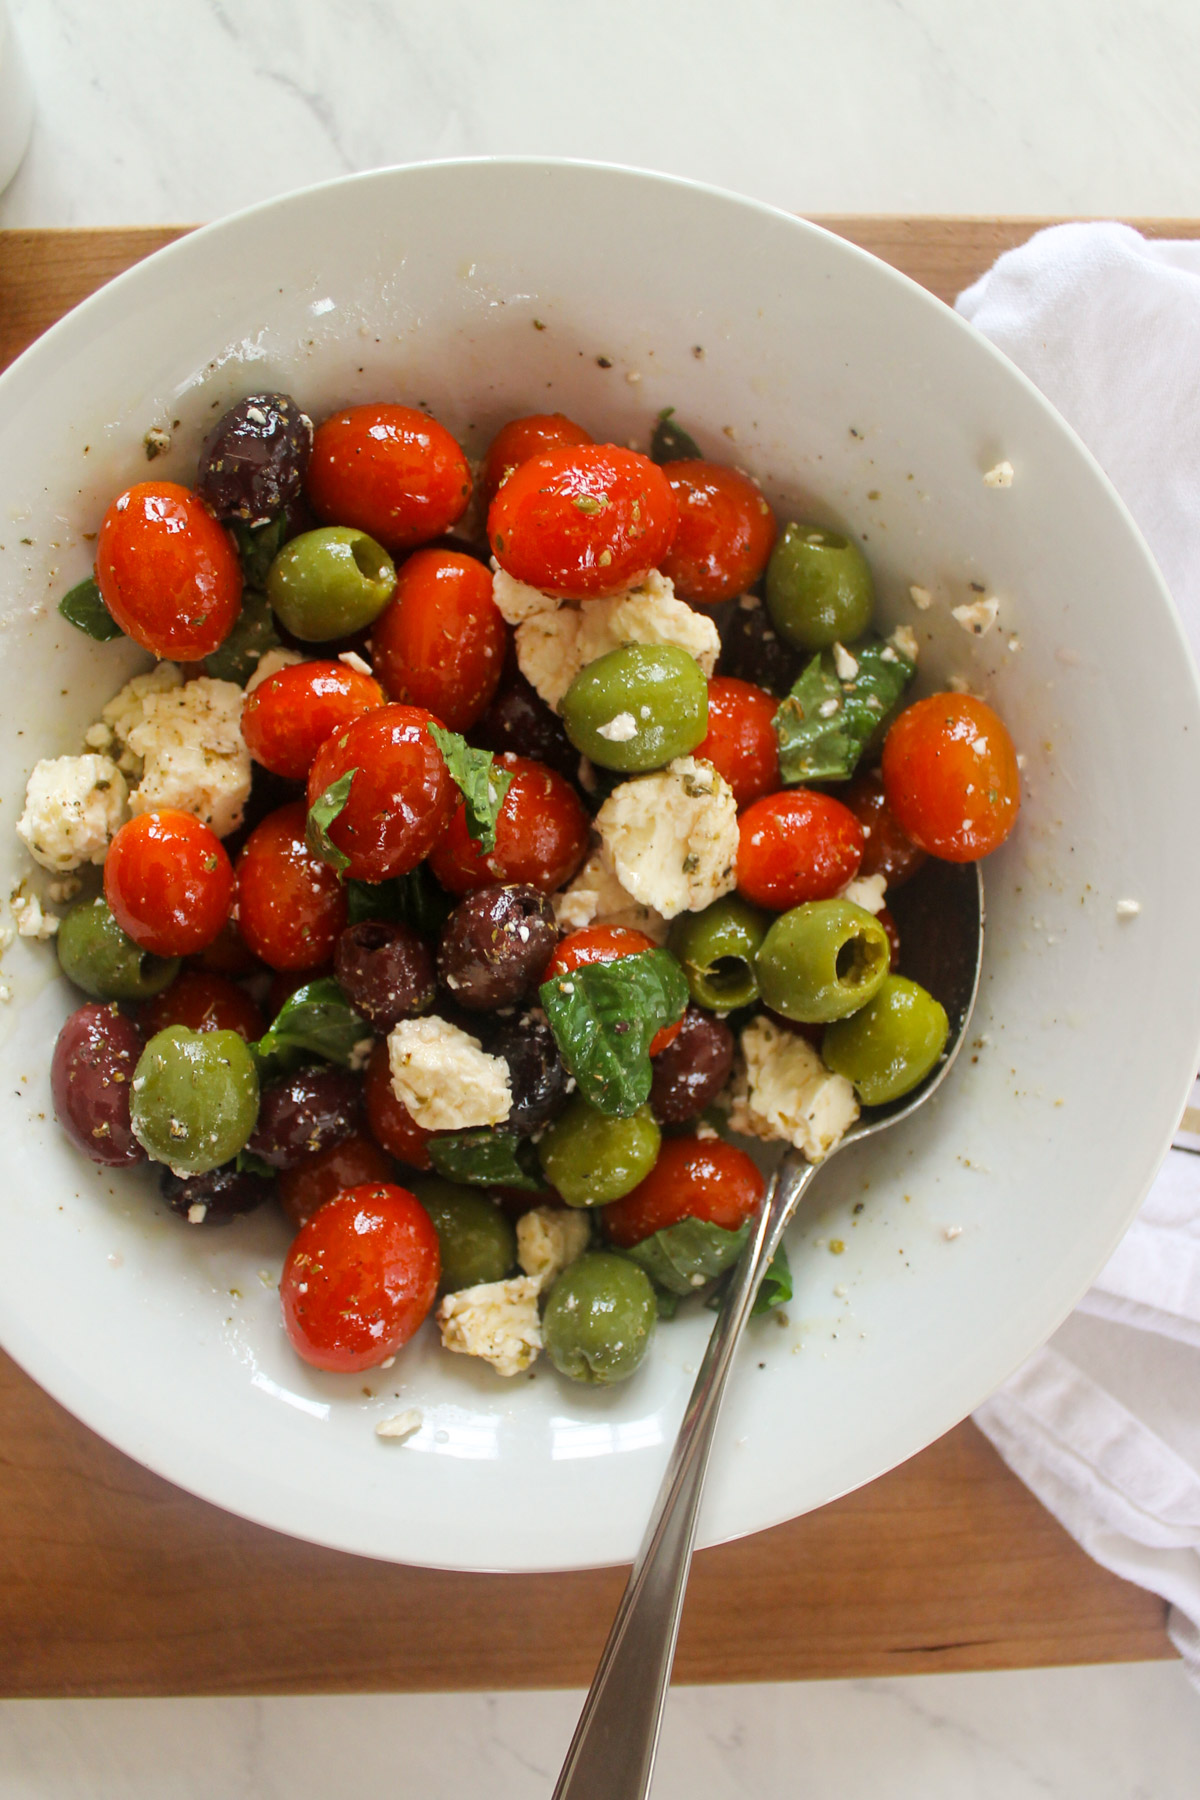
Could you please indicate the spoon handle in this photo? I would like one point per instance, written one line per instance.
(612, 1753)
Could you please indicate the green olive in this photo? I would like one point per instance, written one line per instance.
(599, 1318)
(819, 588)
(329, 583)
(98, 957)
(822, 961)
(638, 707)
(717, 948)
(890, 1044)
(194, 1098)
(592, 1158)
(476, 1239)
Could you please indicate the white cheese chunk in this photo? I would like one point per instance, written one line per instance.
(550, 1237)
(498, 1321)
(127, 710)
(845, 664)
(73, 805)
(444, 1077)
(270, 663)
(554, 645)
(921, 598)
(866, 891)
(194, 755)
(978, 617)
(785, 1091)
(516, 601)
(672, 837)
(999, 477)
(904, 639)
(400, 1425)
(596, 897)
(32, 922)
(619, 729)
(1126, 909)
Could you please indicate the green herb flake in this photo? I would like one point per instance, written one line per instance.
(604, 1016)
(252, 636)
(591, 503)
(249, 1164)
(826, 722)
(693, 1256)
(670, 442)
(487, 1158)
(317, 1020)
(258, 546)
(321, 814)
(84, 608)
(483, 786)
(415, 899)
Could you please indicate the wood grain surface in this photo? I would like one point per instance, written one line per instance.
(113, 1582)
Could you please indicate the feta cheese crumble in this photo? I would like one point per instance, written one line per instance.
(845, 664)
(904, 639)
(672, 837)
(866, 891)
(400, 1425)
(270, 663)
(32, 922)
(195, 758)
(445, 1078)
(1126, 909)
(498, 1321)
(921, 598)
(550, 1237)
(978, 617)
(999, 477)
(354, 661)
(127, 710)
(596, 897)
(785, 1091)
(620, 729)
(73, 805)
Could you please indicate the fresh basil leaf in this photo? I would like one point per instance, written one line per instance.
(84, 608)
(258, 546)
(249, 1164)
(826, 722)
(670, 442)
(487, 1158)
(667, 1304)
(775, 1286)
(604, 1016)
(321, 814)
(252, 636)
(318, 1019)
(684, 1257)
(482, 785)
(415, 899)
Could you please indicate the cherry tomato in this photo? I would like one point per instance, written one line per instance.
(725, 535)
(694, 1178)
(228, 954)
(605, 943)
(741, 743)
(321, 1178)
(203, 1002)
(887, 851)
(393, 472)
(541, 835)
(360, 1278)
(291, 908)
(520, 439)
(951, 778)
(440, 641)
(287, 717)
(392, 1125)
(168, 573)
(402, 795)
(795, 847)
(168, 882)
(585, 522)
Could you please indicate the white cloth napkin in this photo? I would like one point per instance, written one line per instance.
(1103, 1424)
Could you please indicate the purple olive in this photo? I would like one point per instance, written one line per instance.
(752, 649)
(305, 1112)
(692, 1070)
(386, 970)
(94, 1060)
(216, 1198)
(540, 1084)
(252, 462)
(495, 945)
(518, 719)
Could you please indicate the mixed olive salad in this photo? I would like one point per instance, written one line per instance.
(487, 846)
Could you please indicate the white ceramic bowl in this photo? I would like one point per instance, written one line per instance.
(855, 397)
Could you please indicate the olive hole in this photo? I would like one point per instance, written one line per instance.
(857, 960)
(825, 540)
(366, 558)
(728, 976)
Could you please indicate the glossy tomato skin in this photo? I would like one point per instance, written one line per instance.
(392, 1125)
(694, 1178)
(168, 573)
(360, 1278)
(541, 835)
(287, 717)
(305, 1189)
(796, 846)
(401, 797)
(741, 743)
(393, 472)
(725, 536)
(605, 943)
(440, 642)
(291, 908)
(888, 850)
(583, 522)
(951, 777)
(516, 442)
(168, 882)
(203, 1002)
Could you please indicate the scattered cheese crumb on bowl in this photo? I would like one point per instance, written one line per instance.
(400, 1426)
(1000, 476)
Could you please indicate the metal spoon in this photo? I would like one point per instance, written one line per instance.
(940, 916)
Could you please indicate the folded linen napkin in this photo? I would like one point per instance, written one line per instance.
(1103, 1424)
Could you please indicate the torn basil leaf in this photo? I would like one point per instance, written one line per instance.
(670, 442)
(258, 546)
(249, 1164)
(84, 608)
(319, 1020)
(252, 636)
(689, 1257)
(321, 814)
(828, 719)
(775, 1286)
(487, 1158)
(604, 1016)
(482, 785)
(415, 899)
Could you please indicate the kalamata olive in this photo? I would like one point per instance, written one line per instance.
(252, 462)
(692, 1070)
(386, 970)
(539, 1082)
(495, 945)
(216, 1198)
(303, 1113)
(752, 649)
(519, 720)
(94, 1060)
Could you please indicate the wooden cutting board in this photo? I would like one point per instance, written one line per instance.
(113, 1582)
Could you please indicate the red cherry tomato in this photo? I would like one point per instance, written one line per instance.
(694, 1178)
(228, 954)
(360, 1278)
(393, 472)
(168, 882)
(203, 1003)
(287, 717)
(541, 835)
(291, 908)
(520, 439)
(401, 797)
(951, 778)
(605, 943)
(584, 522)
(887, 851)
(726, 532)
(392, 1125)
(168, 573)
(321, 1178)
(741, 743)
(795, 847)
(440, 641)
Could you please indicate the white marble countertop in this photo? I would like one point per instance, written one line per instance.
(179, 110)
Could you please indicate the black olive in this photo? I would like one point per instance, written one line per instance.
(539, 1082)
(252, 462)
(224, 1194)
(495, 945)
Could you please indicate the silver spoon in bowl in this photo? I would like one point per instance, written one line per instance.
(940, 918)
